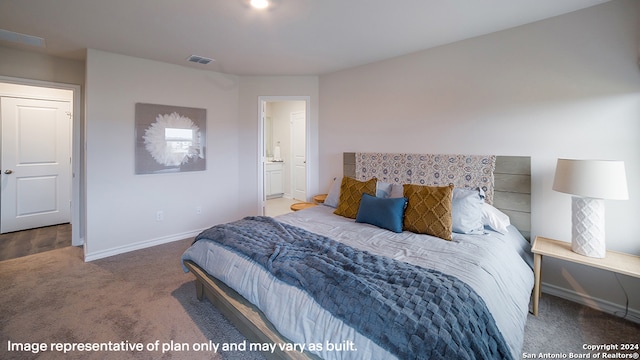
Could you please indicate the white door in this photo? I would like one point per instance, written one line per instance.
(299, 155)
(35, 163)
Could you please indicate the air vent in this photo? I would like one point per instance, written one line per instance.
(21, 38)
(199, 59)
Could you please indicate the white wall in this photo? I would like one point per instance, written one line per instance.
(32, 65)
(563, 87)
(121, 206)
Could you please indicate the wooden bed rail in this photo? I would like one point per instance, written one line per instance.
(247, 318)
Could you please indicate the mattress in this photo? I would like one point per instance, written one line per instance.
(496, 266)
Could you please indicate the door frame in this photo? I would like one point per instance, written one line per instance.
(262, 157)
(77, 223)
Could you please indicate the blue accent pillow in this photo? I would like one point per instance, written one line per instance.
(386, 213)
(466, 211)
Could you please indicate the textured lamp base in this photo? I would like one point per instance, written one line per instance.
(587, 234)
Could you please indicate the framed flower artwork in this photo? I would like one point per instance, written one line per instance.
(169, 138)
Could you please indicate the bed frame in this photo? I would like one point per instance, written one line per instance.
(512, 195)
(247, 318)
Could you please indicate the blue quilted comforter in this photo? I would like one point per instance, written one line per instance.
(414, 313)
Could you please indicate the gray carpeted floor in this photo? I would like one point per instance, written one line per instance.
(144, 297)
(139, 297)
(34, 241)
(564, 327)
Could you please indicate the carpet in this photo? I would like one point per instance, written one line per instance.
(141, 297)
(564, 327)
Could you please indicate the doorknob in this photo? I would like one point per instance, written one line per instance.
(8, 171)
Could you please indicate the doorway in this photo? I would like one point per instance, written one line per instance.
(40, 186)
(283, 170)
(36, 166)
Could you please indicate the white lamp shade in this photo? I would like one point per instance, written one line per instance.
(599, 179)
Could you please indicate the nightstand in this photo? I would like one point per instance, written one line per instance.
(614, 261)
(302, 206)
(320, 198)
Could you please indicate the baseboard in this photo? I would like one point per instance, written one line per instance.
(592, 302)
(139, 245)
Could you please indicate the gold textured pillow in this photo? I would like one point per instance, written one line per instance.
(428, 210)
(351, 191)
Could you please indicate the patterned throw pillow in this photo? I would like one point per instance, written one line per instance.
(428, 210)
(351, 191)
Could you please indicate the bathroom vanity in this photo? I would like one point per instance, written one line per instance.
(274, 179)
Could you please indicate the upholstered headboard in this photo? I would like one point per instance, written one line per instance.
(508, 187)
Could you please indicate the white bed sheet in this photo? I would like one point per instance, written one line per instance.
(496, 266)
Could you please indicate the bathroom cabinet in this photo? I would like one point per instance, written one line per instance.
(274, 179)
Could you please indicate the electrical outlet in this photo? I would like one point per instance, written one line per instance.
(198, 210)
(159, 215)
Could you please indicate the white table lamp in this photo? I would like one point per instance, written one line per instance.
(590, 181)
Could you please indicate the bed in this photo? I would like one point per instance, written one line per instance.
(481, 281)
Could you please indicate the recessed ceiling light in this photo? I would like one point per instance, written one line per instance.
(259, 4)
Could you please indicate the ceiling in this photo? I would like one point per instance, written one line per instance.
(291, 37)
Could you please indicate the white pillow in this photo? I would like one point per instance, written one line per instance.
(466, 211)
(334, 193)
(495, 219)
(397, 191)
(383, 189)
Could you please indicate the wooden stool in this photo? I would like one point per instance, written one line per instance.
(320, 198)
(302, 205)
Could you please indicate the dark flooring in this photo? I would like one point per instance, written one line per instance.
(22, 243)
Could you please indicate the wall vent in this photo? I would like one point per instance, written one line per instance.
(7, 35)
(199, 59)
